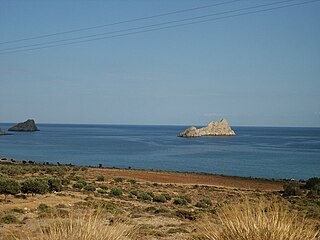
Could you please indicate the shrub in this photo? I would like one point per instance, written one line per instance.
(292, 189)
(204, 203)
(35, 186)
(145, 196)
(9, 186)
(311, 182)
(118, 179)
(167, 196)
(44, 208)
(90, 188)
(160, 198)
(54, 184)
(116, 192)
(180, 201)
(65, 181)
(78, 185)
(9, 219)
(265, 220)
(100, 178)
(17, 210)
(314, 192)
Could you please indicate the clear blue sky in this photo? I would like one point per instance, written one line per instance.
(261, 69)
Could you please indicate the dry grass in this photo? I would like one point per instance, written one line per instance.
(88, 226)
(264, 220)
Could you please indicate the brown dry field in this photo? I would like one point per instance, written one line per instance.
(193, 178)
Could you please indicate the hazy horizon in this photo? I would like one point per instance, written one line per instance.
(259, 69)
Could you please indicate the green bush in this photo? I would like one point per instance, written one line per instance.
(82, 181)
(314, 192)
(17, 210)
(180, 201)
(65, 181)
(292, 189)
(35, 186)
(90, 188)
(311, 182)
(167, 196)
(78, 185)
(118, 179)
(44, 208)
(9, 219)
(54, 184)
(100, 178)
(9, 186)
(160, 198)
(116, 192)
(150, 193)
(204, 203)
(145, 196)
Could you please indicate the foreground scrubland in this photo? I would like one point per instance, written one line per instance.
(68, 202)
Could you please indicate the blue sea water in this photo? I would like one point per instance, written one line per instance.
(255, 151)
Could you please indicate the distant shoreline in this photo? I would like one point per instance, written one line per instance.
(174, 177)
(165, 125)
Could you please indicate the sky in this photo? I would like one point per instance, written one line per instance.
(259, 69)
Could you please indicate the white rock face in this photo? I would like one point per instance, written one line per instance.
(221, 128)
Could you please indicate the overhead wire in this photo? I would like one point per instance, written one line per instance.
(120, 22)
(166, 27)
(143, 27)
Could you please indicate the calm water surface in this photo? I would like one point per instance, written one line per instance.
(255, 151)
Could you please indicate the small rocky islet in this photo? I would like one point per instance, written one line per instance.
(27, 126)
(221, 128)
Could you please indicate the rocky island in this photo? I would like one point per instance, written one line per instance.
(221, 128)
(27, 126)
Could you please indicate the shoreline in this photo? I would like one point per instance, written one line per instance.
(174, 177)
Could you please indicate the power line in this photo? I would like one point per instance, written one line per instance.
(166, 27)
(143, 27)
(120, 22)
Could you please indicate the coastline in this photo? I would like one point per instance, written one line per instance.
(172, 177)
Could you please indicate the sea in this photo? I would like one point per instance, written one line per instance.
(262, 152)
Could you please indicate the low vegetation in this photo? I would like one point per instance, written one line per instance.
(263, 220)
(68, 202)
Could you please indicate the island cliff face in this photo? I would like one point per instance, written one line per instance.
(27, 126)
(221, 128)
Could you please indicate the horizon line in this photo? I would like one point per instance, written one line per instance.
(163, 124)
